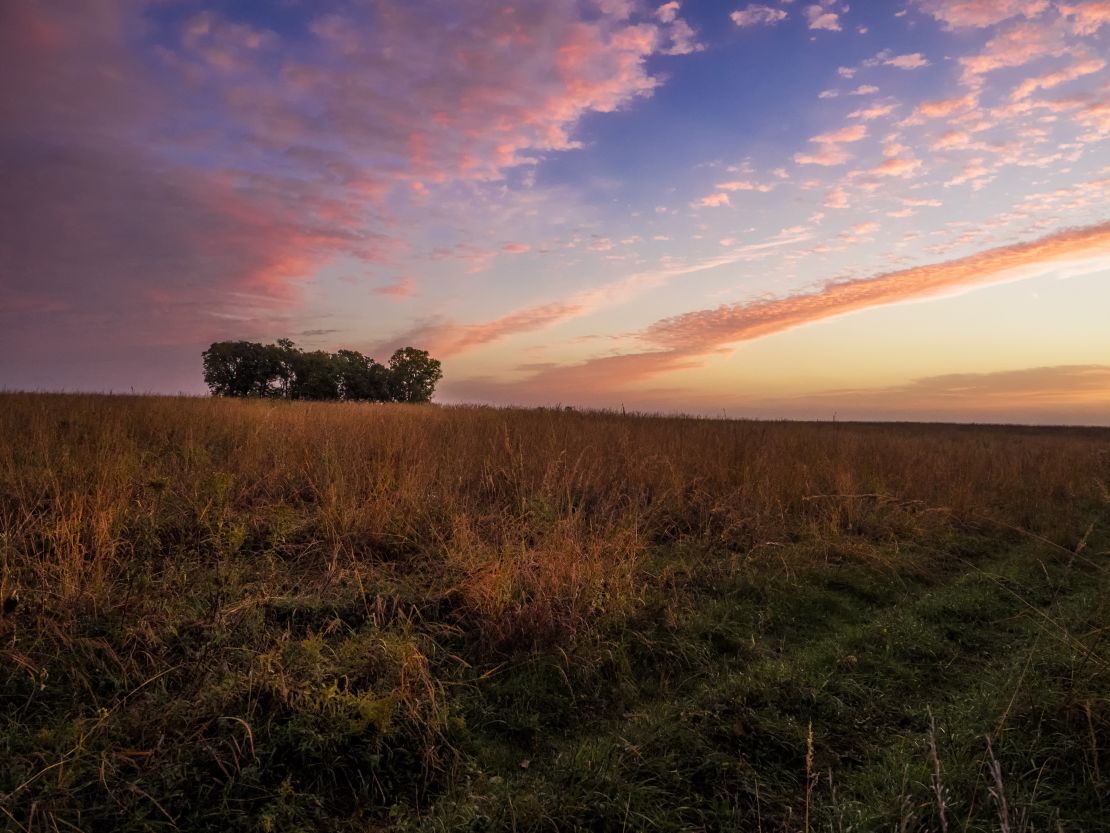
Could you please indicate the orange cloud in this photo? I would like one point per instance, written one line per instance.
(400, 288)
(870, 113)
(744, 185)
(896, 166)
(829, 152)
(1014, 47)
(851, 133)
(1087, 18)
(951, 139)
(943, 107)
(707, 330)
(713, 201)
(980, 13)
(1084, 66)
(448, 339)
(684, 340)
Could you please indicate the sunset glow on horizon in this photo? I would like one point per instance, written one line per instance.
(784, 209)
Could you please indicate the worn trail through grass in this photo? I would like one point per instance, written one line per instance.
(719, 706)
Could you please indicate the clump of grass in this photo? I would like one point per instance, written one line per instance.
(222, 615)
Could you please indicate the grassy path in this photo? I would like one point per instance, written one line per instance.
(706, 724)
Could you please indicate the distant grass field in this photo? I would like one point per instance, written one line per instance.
(228, 615)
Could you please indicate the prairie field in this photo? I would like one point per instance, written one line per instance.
(231, 615)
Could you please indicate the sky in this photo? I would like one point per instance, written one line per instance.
(824, 210)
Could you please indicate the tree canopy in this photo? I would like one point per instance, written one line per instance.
(284, 371)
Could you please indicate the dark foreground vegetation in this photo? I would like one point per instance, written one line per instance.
(276, 616)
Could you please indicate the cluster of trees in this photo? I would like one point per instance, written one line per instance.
(283, 370)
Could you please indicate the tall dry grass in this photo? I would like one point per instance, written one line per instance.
(533, 521)
(217, 606)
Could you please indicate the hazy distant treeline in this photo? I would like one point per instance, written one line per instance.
(284, 371)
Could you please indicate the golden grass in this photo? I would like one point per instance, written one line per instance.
(533, 520)
(324, 566)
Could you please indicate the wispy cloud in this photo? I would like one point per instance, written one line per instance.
(820, 16)
(401, 288)
(709, 329)
(1077, 69)
(450, 338)
(980, 13)
(1088, 17)
(716, 200)
(914, 60)
(850, 133)
(757, 15)
(683, 341)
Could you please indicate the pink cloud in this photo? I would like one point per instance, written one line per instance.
(744, 185)
(1088, 17)
(708, 330)
(914, 60)
(400, 288)
(1078, 69)
(951, 139)
(870, 113)
(713, 201)
(820, 17)
(757, 15)
(493, 90)
(683, 40)
(684, 341)
(448, 339)
(974, 172)
(851, 133)
(827, 155)
(1095, 117)
(980, 13)
(668, 11)
(829, 151)
(1016, 46)
(943, 107)
(836, 198)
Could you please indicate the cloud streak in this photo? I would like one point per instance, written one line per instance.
(757, 15)
(683, 341)
(707, 330)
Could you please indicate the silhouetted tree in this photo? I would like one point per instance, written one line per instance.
(413, 375)
(315, 375)
(284, 355)
(361, 379)
(246, 368)
(241, 368)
